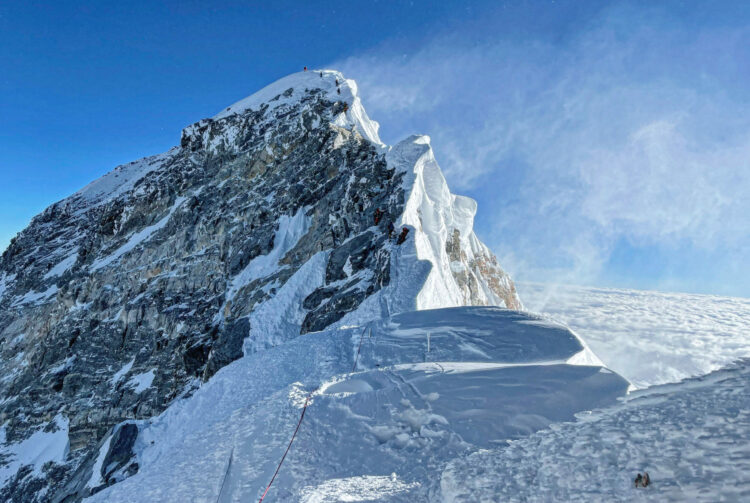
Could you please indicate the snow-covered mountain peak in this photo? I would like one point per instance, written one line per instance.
(282, 215)
(295, 87)
(285, 92)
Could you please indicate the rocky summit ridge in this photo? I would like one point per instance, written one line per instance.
(258, 227)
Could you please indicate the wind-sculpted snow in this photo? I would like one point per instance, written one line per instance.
(137, 289)
(384, 430)
(649, 337)
(464, 271)
(690, 437)
(277, 94)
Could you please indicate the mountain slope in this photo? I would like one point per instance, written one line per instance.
(388, 427)
(257, 228)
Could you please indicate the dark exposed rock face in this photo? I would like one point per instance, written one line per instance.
(118, 462)
(147, 276)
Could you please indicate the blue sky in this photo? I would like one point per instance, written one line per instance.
(607, 143)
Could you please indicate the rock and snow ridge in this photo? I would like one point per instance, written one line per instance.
(258, 227)
(383, 432)
(160, 329)
(464, 271)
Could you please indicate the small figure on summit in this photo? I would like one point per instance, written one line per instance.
(304, 69)
(402, 236)
(378, 215)
(321, 75)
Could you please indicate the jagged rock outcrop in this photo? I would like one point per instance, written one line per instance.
(127, 295)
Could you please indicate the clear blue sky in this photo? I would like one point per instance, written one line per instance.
(605, 144)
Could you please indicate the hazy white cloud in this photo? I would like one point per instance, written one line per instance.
(635, 127)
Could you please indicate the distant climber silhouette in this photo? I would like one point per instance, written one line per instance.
(402, 236)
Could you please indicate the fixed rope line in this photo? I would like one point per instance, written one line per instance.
(361, 339)
(302, 416)
(226, 474)
(307, 401)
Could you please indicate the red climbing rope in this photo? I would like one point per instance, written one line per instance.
(356, 358)
(307, 400)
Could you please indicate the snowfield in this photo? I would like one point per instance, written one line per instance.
(382, 432)
(690, 437)
(504, 406)
(649, 337)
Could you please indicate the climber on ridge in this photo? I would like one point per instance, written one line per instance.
(304, 69)
(642, 480)
(391, 230)
(402, 236)
(378, 215)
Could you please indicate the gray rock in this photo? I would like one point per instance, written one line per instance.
(150, 268)
(118, 462)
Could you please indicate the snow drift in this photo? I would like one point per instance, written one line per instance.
(380, 433)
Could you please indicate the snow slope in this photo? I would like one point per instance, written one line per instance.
(379, 433)
(690, 437)
(118, 181)
(649, 337)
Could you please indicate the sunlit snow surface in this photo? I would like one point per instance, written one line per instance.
(690, 436)
(381, 433)
(649, 337)
(692, 439)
